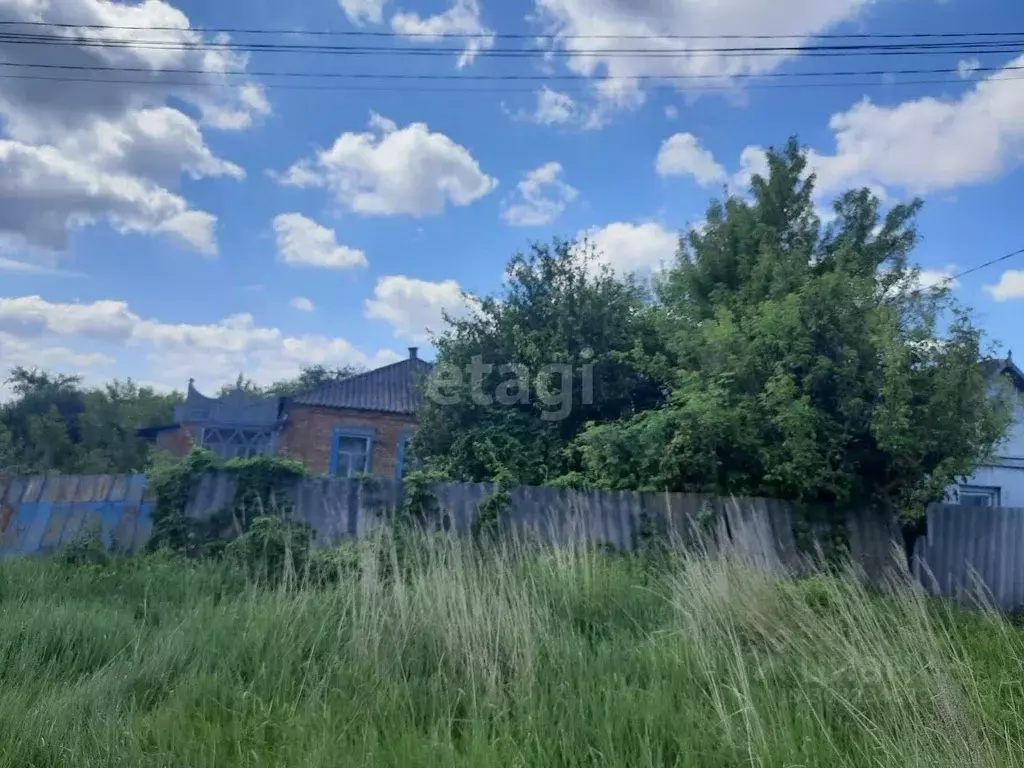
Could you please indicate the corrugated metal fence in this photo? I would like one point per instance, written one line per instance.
(966, 549)
(761, 528)
(973, 554)
(40, 513)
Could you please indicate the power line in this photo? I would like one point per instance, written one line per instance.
(500, 35)
(427, 89)
(979, 48)
(986, 264)
(502, 77)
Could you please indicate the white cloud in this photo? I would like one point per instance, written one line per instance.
(31, 267)
(753, 162)
(81, 152)
(588, 30)
(553, 107)
(966, 68)
(213, 353)
(302, 304)
(361, 12)
(16, 352)
(45, 194)
(389, 171)
(935, 278)
(612, 97)
(158, 144)
(542, 196)
(923, 280)
(682, 155)
(29, 354)
(1010, 286)
(929, 144)
(628, 247)
(414, 308)
(34, 113)
(301, 242)
(462, 18)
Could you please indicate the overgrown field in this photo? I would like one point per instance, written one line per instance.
(564, 659)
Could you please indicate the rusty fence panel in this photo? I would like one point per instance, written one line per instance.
(40, 513)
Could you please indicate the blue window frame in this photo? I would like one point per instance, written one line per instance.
(978, 496)
(405, 462)
(351, 451)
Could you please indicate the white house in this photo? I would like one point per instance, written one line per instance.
(1000, 481)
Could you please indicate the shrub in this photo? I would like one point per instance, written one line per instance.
(263, 487)
(87, 548)
(272, 551)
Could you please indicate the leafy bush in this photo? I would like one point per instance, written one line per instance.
(272, 551)
(489, 513)
(87, 548)
(344, 563)
(262, 488)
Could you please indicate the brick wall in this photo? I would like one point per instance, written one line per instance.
(178, 442)
(309, 432)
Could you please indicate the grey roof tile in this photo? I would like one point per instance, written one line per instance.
(396, 388)
(994, 367)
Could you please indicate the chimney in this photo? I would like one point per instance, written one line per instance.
(413, 352)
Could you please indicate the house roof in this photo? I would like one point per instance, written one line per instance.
(995, 367)
(395, 388)
(236, 407)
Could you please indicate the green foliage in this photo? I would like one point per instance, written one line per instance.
(487, 523)
(6, 449)
(803, 363)
(86, 549)
(272, 551)
(569, 480)
(310, 377)
(172, 484)
(480, 659)
(54, 424)
(341, 564)
(262, 489)
(559, 308)
(263, 482)
(419, 503)
(820, 531)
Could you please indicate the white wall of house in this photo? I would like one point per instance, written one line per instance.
(1008, 480)
(1013, 447)
(1003, 475)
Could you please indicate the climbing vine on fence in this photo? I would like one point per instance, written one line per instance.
(262, 489)
(821, 531)
(419, 502)
(490, 512)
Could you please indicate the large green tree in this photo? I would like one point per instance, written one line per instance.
(55, 424)
(805, 362)
(309, 377)
(552, 352)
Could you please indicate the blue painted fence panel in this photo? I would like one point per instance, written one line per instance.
(39, 514)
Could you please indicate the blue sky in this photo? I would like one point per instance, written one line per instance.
(165, 231)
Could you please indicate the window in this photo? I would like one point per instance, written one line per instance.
(978, 496)
(406, 462)
(352, 451)
(234, 443)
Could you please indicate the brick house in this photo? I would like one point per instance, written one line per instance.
(350, 426)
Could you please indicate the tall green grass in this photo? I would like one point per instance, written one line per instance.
(567, 658)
